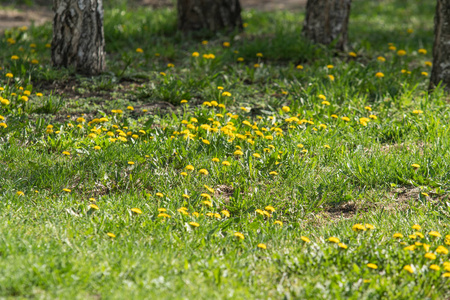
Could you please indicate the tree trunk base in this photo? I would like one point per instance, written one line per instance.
(209, 15)
(78, 38)
(326, 21)
(441, 48)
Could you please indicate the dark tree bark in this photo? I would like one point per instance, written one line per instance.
(441, 47)
(327, 21)
(78, 38)
(211, 15)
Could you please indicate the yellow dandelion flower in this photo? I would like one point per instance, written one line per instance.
(139, 50)
(381, 58)
(190, 168)
(430, 256)
(206, 196)
(136, 211)
(408, 269)
(397, 235)
(163, 215)
(277, 222)
(416, 227)
(194, 224)
(442, 250)
(286, 109)
(111, 235)
(203, 171)
(333, 240)
(299, 67)
(342, 245)
(419, 234)
(260, 211)
(226, 213)
(372, 266)
(369, 226)
(410, 248)
(131, 162)
(207, 203)
(273, 173)
(93, 206)
(238, 153)
(435, 267)
(20, 193)
(226, 163)
(270, 208)
(352, 54)
(67, 190)
(262, 246)
(305, 239)
(415, 166)
(401, 52)
(435, 234)
(359, 227)
(257, 155)
(239, 235)
(379, 75)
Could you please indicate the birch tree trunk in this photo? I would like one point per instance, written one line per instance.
(78, 38)
(327, 21)
(211, 15)
(441, 47)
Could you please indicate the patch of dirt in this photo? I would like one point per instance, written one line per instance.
(27, 17)
(69, 89)
(224, 192)
(344, 210)
(402, 146)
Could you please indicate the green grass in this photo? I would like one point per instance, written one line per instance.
(321, 172)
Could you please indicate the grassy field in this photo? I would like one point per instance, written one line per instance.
(250, 166)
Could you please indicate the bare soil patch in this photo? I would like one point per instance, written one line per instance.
(27, 17)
